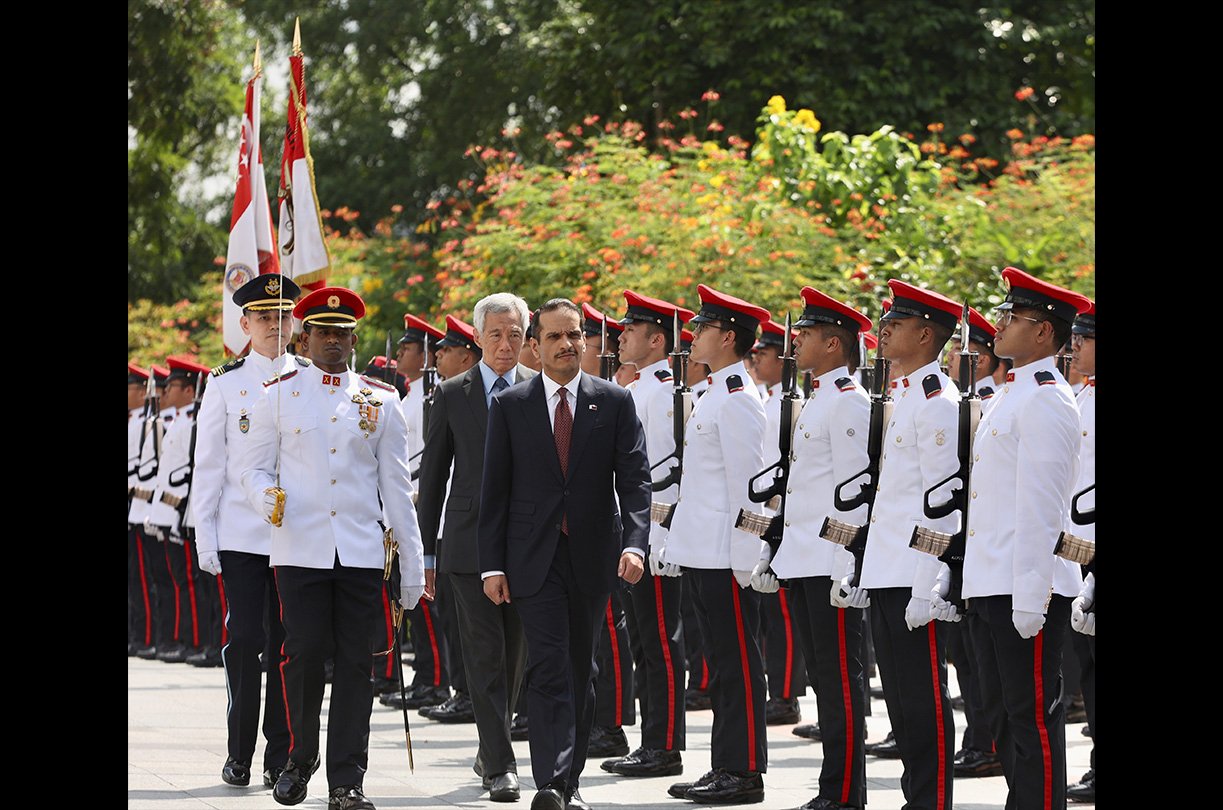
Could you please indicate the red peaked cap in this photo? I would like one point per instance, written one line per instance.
(717, 306)
(135, 374)
(909, 301)
(184, 368)
(379, 361)
(821, 308)
(773, 334)
(979, 329)
(870, 340)
(1029, 291)
(1085, 322)
(640, 307)
(418, 330)
(593, 323)
(459, 334)
(330, 306)
(685, 339)
(160, 374)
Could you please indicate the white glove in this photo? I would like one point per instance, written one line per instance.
(844, 595)
(917, 612)
(744, 578)
(1028, 624)
(1080, 619)
(940, 609)
(764, 580)
(662, 569)
(210, 561)
(409, 595)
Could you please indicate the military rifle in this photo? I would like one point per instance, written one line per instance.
(949, 546)
(1079, 549)
(151, 425)
(187, 471)
(681, 409)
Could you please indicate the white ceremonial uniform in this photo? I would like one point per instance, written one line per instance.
(1025, 463)
(653, 397)
(224, 520)
(342, 445)
(699, 388)
(413, 411)
(829, 447)
(1087, 460)
(919, 450)
(142, 498)
(772, 397)
(723, 448)
(175, 457)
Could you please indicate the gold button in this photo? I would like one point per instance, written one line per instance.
(892, 425)
(366, 435)
(787, 524)
(800, 427)
(994, 432)
(333, 481)
(977, 457)
(972, 532)
(1084, 433)
(333, 513)
(698, 427)
(806, 435)
(333, 450)
(789, 490)
(297, 430)
(242, 393)
(872, 518)
(974, 494)
(333, 419)
(1006, 388)
(898, 440)
(332, 391)
(685, 442)
(295, 393)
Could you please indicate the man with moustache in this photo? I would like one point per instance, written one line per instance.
(493, 649)
(554, 541)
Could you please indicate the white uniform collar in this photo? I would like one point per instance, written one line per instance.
(917, 376)
(829, 378)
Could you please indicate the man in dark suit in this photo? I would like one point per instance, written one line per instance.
(560, 451)
(493, 649)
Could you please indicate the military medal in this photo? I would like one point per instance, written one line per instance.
(357, 399)
(367, 391)
(244, 422)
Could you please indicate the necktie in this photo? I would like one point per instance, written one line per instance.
(562, 429)
(500, 385)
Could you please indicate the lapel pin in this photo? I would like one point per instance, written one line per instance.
(594, 407)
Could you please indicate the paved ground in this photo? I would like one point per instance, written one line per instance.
(176, 747)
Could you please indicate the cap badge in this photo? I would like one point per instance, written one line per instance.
(333, 302)
(272, 287)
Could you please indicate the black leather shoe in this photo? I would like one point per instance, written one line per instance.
(518, 728)
(876, 692)
(235, 773)
(457, 709)
(821, 803)
(270, 775)
(809, 731)
(549, 797)
(348, 797)
(1085, 790)
(607, 742)
(290, 786)
(174, 654)
(384, 686)
(575, 799)
(782, 712)
(888, 749)
(646, 762)
(1076, 712)
(970, 762)
(503, 787)
(697, 700)
(207, 657)
(147, 653)
(729, 788)
(417, 696)
(680, 789)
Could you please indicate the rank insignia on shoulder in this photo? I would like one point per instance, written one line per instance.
(230, 366)
(301, 361)
(663, 375)
(734, 383)
(377, 384)
(1045, 378)
(985, 392)
(844, 383)
(931, 385)
(281, 378)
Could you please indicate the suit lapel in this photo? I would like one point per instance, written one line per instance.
(583, 419)
(473, 386)
(540, 422)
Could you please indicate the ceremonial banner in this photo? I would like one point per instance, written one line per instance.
(252, 245)
(303, 253)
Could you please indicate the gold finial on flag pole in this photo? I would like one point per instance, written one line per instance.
(297, 37)
(258, 61)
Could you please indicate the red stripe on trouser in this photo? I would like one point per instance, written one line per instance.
(284, 659)
(842, 657)
(615, 648)
(938, 715)
(747, 677)
(1046, 755)
(166, 548)
(224, 611)
(437, 661)
(785, 620)
(666, 659)
(144, 592)
(704, 672)
(195, 612)
(390, 635)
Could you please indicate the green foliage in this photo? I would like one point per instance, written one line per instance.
(191, 326)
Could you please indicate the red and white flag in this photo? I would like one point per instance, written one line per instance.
(303, 253)
(252, 245)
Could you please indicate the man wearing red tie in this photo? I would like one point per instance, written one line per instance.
(554, 540)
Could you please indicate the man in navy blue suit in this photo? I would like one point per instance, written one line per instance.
(562, 449)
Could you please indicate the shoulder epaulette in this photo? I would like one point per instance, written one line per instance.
(985, 392)
(1045, 378)
(379, 383)
(302, 361)
(734, 383)
(281, 378)
(230, 366)
(663, 375)
(932, 385)
(844, 383)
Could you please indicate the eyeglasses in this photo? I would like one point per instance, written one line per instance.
(1008, 316)
(701, 327)
(1077, 340)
